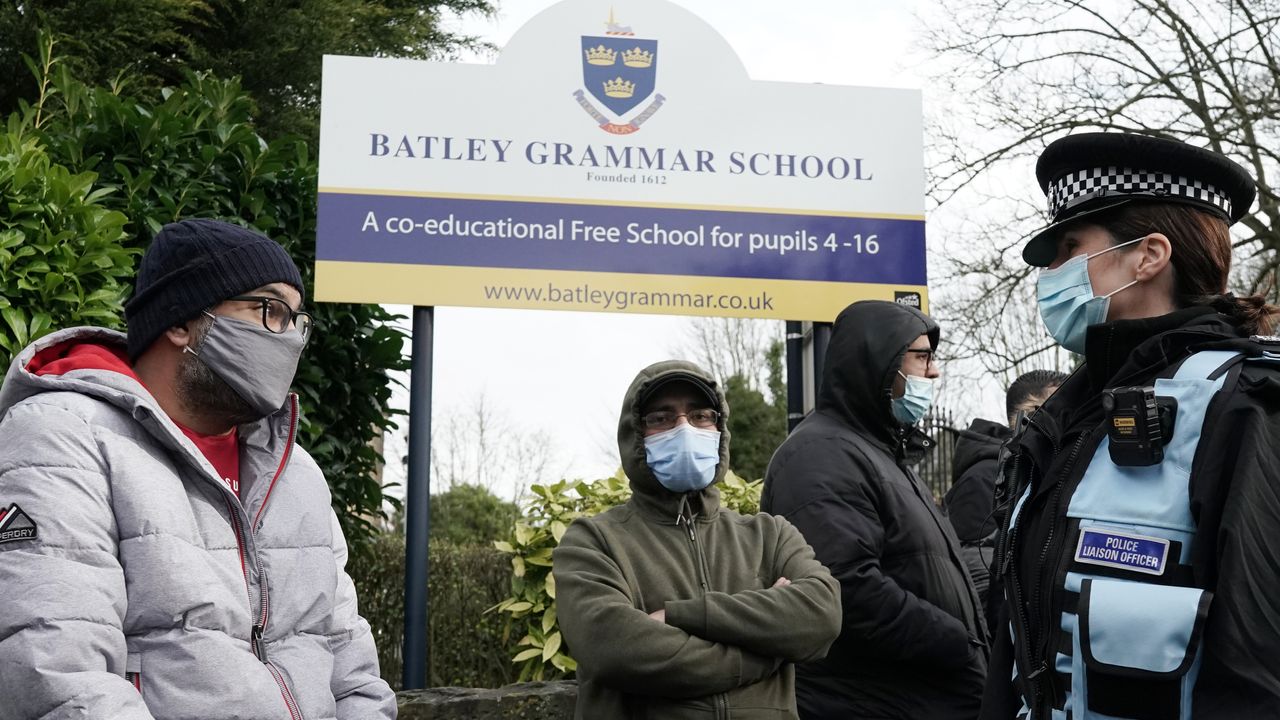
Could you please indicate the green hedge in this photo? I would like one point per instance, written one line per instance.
(467, 646)
(88, 175)
(62, 254)
(492, 613)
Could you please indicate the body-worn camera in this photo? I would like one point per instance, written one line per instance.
(1139, 424)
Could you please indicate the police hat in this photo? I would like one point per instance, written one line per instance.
(1088, 173)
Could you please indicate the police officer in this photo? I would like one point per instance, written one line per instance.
(1140, 542)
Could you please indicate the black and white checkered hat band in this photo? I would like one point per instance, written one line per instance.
(1074, 188)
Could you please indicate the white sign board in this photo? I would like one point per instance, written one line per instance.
(616, 158)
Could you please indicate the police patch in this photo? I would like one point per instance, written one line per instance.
(1123, 550)
(15, 525)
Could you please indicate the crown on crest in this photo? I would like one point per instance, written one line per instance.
(637, 58)
(601, 55)
(619, 88)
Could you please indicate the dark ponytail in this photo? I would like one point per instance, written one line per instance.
(1201, 259)
(1253, 313)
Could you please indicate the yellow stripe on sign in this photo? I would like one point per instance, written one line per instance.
(622, 203)
(596, 291)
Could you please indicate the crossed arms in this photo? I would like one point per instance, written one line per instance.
(708, 644)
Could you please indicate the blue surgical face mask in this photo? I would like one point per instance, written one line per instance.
(1067, 303)
(916, 400)
(683, 458)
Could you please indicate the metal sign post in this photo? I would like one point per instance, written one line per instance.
(821, 338)
(795, 374)
(806, 356)
(417, 504)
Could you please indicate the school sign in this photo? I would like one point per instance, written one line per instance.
(616, 158)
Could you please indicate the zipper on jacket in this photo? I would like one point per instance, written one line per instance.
(1004, 548)
(265, 605)
(288, 451)
(294, 712)
(260, 624)
(1049, 563)
(1029, 675)
(261, 651)
(1035, 677)
(697, 550)
(256, 642)
(687, 519)
(289, 702)
(240, 526)
(235, 527)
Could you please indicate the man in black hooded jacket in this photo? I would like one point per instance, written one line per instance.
(970, 503)
(911, 641)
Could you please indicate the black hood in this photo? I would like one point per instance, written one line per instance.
(868, 341)
(980, 443)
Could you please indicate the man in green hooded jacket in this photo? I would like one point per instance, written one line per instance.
(674, 606)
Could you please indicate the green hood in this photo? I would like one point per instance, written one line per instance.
(648, 492)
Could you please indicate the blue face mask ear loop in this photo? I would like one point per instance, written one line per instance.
(1087, 258)
(1122, 287)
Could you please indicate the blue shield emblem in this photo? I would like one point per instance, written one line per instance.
(619, 71)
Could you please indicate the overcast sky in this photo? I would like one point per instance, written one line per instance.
(581, 363)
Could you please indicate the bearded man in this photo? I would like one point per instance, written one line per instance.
(166, 549)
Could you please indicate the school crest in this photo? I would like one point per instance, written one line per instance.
(619, 75)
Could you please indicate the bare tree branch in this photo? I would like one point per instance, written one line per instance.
(1024, 72)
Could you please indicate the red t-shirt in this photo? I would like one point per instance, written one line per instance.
(222, 451)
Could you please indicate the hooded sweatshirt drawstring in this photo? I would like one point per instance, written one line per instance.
(684, 514)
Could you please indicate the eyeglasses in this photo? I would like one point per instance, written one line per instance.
(277, 316)
(665, 419)
(928, 355)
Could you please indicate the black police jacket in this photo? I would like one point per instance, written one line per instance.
(1234, 499)
(910, 644)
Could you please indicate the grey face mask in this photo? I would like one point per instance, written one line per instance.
(256, 363)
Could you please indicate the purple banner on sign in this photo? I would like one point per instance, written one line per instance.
(662, 241)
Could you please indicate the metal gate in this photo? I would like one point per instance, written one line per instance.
(935, 469)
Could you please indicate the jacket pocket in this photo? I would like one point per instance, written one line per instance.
(772, 698)
(944, 585)
(691, 709)
(133, 670)
(1137, 650)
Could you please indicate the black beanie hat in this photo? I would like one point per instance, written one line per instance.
(196, 264)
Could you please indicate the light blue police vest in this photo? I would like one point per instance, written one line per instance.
(1134, 650)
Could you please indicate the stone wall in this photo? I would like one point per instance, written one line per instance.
(526, 701)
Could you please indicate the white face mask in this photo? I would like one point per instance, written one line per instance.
(1067, 303)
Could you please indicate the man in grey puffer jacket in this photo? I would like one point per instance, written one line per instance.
(166, 549)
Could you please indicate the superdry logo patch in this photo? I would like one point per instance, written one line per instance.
(16, 525)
